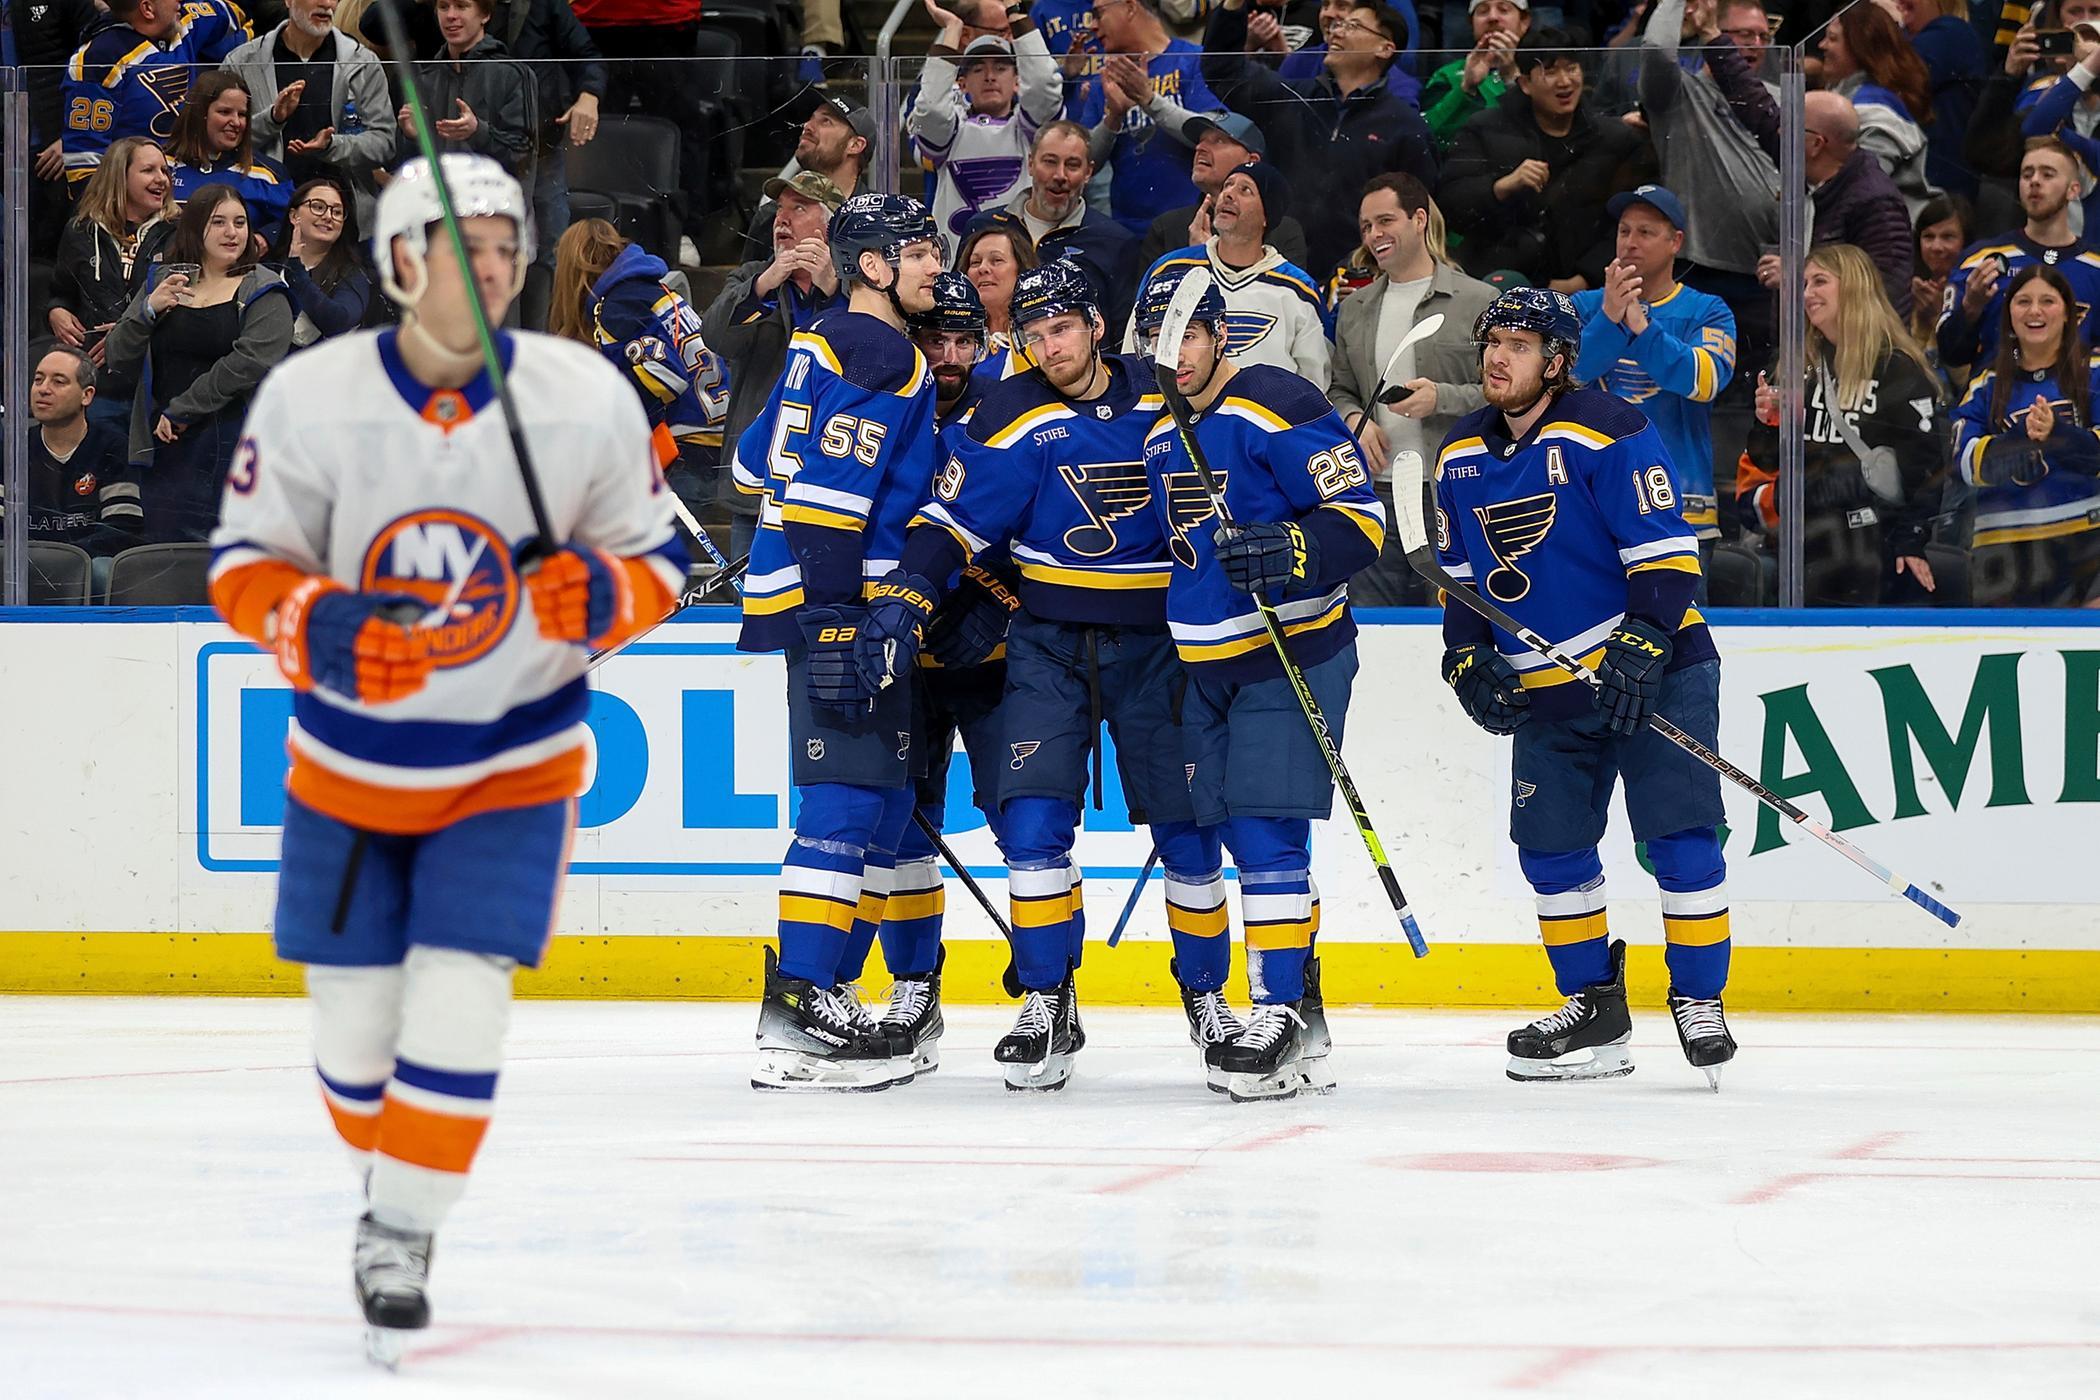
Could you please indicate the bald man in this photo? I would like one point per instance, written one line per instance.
(1856, 202)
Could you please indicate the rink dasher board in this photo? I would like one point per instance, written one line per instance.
(1961, 749)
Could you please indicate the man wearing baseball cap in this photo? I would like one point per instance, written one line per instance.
(979, 105)
(837, 141)
(1658, 344)
(1221, 141)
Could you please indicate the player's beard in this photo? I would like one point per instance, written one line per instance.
(1518, 395)
(1072, 378)
(949, 382)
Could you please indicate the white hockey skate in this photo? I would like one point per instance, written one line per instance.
(390, 1269)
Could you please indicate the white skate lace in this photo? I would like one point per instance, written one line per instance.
(389, 1263)
(1699, 1020)
(840, 1009)
(1215, 1020)
(1567, 1018)
(1037, 1013)
(909, 998)
(852, 1007)
(1268, 1025)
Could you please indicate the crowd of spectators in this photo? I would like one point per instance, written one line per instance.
(1344, 168)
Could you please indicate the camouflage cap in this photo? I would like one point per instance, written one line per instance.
(810, 185)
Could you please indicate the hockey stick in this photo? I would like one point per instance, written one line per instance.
(1115, 935)
(1011, 980)
(691, 597)
(491, 362)
(1168, 355)
(1411, 494)
(693, 528)
(1421, 330)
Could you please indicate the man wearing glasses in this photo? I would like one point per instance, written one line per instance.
(320, 103)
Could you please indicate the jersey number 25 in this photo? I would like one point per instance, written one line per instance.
(1336, 470)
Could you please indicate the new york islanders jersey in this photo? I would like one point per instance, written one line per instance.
(353, 469)
(1064, 481)
(120, 83)
(1282, 454)
(1273, 313)
(1671, 372)
(843, 452)
(1567, 530)
(2028, 490)
(1964, 343)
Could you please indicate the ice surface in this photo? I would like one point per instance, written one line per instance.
(1871, 1207)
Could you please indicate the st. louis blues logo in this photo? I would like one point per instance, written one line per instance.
(1188, 505)
(1107, 492)
(979, 180)
(169, 84)
(1526, 791)
(1021, 752)
(1246, 329)
(1513, 530)
(457, 565)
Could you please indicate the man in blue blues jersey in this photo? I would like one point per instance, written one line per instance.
(1307, 519)
(842, 453)
(1052, 467)
(1561, 505)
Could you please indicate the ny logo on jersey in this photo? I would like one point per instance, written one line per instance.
(1107, 492)
(458, 566)
(1513, 529)
(1246, 329)
(1188, 505)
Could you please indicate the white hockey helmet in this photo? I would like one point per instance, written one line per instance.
(409, 205)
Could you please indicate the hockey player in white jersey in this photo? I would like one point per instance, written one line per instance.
(371, 541)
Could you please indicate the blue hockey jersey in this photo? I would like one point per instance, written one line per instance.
(120, 83)
(1963, 343)
(2028, 490)
(1063, 480)
(1671, 372)
(264, 188)
(1282, 454)
(843, 453)
(652, 334)
(1567, 530)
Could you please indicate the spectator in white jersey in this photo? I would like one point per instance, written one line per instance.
(980, 103)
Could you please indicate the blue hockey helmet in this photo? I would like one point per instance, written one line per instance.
(956, 307)
(876, 223)
(1056, 287)
(1549, 314)
(1152, 306)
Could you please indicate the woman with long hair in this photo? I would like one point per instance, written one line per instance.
(1944, 227)
(1876, 442)
(1869, 60)
(206, 327)
(993, 256)
(321, 262)
(125, 215)
(2027, 445)
(212, 146)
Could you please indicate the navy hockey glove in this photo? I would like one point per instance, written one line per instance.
(898, 610)
(830, 634)
(1488, 688)
(1632, 674)
(972, 623)
(1275, 559)
(365, 646)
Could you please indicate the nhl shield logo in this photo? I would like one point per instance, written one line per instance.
(1021, 752)
(1103, 411)
(815, 749)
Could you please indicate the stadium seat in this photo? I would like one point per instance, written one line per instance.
(633, 161)
(161, 575)
(58, 574)
(1738, 576)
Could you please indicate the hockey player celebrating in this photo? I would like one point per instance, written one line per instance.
(1561, 505)
(1053, 463)
(1308, 519)
(843, 452)
(370, 540)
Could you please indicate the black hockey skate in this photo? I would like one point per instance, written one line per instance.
(809, 1038)
(1267, 1061)
(914, 1013)
(895, 1041)
(1313, 1007)
(1702, 1030)
(1213, 1025)
(1037, 1053)
(1585, 1039)
(391, 1270)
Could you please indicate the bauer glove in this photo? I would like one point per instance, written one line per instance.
(1275, 559)
(1488, 688)
(1630, 675)
(579, 595)
(363, 646)
(972, 624)
(830, 635)
(898, 610)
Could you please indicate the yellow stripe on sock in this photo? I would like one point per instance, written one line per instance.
(1696, 930)
(1575, 928)
(1197, 923)
(916, 904)
(808, 909)
(1290, 933)
(1041, 913)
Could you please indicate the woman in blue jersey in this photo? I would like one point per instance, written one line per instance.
(2027, 443)
(212, 146)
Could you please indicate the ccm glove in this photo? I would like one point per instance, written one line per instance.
(1488, 688)
(579, 595)
(830, 635)
(1275, 559)
(898, 610)
(970, 626)
(1631, 673)
(363, 646)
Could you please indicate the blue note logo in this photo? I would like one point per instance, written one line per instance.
(1513, 529)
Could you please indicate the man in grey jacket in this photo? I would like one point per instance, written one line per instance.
(319, 101)
(1439, 379)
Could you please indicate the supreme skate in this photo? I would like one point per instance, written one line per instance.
(1585, 1039)
(810, 1038)
(914, 1015)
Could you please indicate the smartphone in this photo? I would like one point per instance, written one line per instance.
(2053, 43)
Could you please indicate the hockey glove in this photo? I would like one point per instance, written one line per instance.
(1631, 674)
(1275, 559)
(972, 623)
(898, 610)
(363, 646)
(1488, 688)
(578, 595)
(830, 635)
